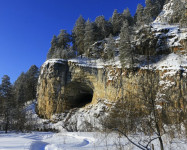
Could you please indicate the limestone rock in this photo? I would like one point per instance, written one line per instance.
(64, 85)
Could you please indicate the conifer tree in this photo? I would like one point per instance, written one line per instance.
(152, 10)
(63, 39)
(78, 35)
(117, 22)
(148, 11)
(20, 89)
(59, 44)
(110, 49)
(7, 102)
(32, 79)
(70, 52)
(104, 27)
(126, 50)
(88, 37)
(127, 15)
(139, 15)
(162, 2)
(54, 41)
(157, 7)
(51, 51)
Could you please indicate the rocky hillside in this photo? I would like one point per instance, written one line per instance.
(81, 90)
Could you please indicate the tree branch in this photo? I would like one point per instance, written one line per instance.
(139, 146)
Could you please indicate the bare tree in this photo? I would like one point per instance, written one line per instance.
(149, 89)
(138, 112)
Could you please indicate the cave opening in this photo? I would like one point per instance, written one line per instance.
(78, 94)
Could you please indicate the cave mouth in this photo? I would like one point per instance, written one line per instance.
(79, 94)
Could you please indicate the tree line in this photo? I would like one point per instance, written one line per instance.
(85, 32)
(13, 98)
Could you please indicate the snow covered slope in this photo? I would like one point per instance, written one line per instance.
(166, 13)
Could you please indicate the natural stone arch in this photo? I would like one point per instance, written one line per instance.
(78, 94)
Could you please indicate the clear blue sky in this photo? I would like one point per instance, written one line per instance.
(27, 27)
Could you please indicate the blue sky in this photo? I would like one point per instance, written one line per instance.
(27, 27)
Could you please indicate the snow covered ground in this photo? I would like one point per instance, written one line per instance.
(77, 141)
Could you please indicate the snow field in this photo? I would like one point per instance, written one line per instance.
(80, 141)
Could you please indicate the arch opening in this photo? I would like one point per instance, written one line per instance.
(78, 94)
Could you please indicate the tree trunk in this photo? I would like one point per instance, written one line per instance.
(161, 143)
(160, 138)
(6, 127)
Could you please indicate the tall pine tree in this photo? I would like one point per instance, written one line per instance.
(126, 50)
(103, 26)
(139, 19)
(78, 35)
(7, 102)
(32, 79)
(148, 11)
(51, 51)
(117, 22)
(127, 15)
(20, 89)
(88, 37)
(110, 49)
(63, 39)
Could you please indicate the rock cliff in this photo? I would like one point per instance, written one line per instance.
(64, 85)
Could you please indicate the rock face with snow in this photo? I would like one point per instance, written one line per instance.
(174, 11)
(66, 85)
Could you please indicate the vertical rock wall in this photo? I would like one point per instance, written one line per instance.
(63, 84)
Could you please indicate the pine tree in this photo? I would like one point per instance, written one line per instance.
(127, 15)
(54, 41)
(59, 44)
(162, 2)
(6, 87)
(51, 51)
(148, 11)
(71, 53)
(139, 15)
(157, 7)
(7, 102)
(152, 10)
(126, 50)
(32, 79)
(63, 39)
(103, 26)
(24, 90)
(88, 37)
(110, 49)
(78, 35)
(117, 22)
(20, 89)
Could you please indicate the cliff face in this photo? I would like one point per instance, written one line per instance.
(64, 85)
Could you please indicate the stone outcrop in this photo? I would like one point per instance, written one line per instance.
(64, 85)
